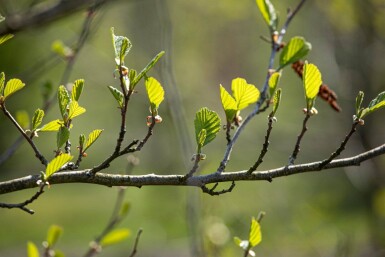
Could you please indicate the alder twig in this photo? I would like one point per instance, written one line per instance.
(212, 191)
(275, 48)
(265, 146)
(299, 139)
(342, 146)
(134, 250)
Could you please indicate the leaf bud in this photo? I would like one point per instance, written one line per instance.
(158, 119)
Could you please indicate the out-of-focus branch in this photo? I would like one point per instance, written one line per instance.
(43, 14)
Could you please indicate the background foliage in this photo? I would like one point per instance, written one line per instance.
(338, 213)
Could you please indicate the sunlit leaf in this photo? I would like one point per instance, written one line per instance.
(229, 104)
(32, 250)
(359, 99)
(117, 95)
(77, 89)
(62, 136)
(5, 37)
(155, 94)
(54, 233)
(121, 47)
(268, 12)
(92, 137)
(22, 117)
(58, 162)
(59, 253)
(75, 110)
(37, 119)
(146, 69)
(244, 93)
(311, 82)
(12, 86)
(276, 101)
(114, 237)
(2, 81)
(51, 126)
(296, 49)
(273, 82)
(63, 99)
(209, 121)
(255, 236)
(202, 138)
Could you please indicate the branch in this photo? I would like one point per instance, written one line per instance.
(299, 139)
(111, 180)
(134, 250)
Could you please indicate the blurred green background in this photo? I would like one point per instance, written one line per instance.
(331, 213)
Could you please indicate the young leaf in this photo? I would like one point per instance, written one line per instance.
(121, 46)
(22, 117)
(77, 89)
(202, 138)
(229, 104)
(12, 86)
(209, 121)
(276, 101)
(155, 94)
(296, 49)
(51, 126)
(146, 69)
(92, 137)
(311, 82)
(62, 136)
(54, 165)
(64, 100)
(244, 93)
(32, 250)
(255, 236)
(75, 110)
(114, 237)
(117, 94)
(124, 209)
(82, 139)
(54, 232)
(2, 80)
(273, 82)
(61, 49)
(359, 99)
(5, 37)
(374, 105)
(268, 12)
(37, 119)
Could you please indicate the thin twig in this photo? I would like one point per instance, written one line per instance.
(134, 250)
(212, 191)
(341, 147)
(265, 146)
(299, 139)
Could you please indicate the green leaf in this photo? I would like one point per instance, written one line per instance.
(51, 126)
(54, 165)
(22, 117)
(64, 100)
(12, 86)
(62, 136)
(117, 94)
(77, 89)
(209, 121)
(146, 69)
(54, 233)
(273, 82)
(155, 94)
(75, 110)
(92, 137)
(124, 209)
(32, 250)
(229, 104)
(296, 49)
(202, 138)
(5, 37)
(2, 81)
(121, 46)
(268, 12)
(37, 119)
(375, 104)
(114, 237)
(359, 99)
(244, 93)
(61, 49)
(276, 101)
(82, 139)
(255, 236)
(59, 253)
(311, 82)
